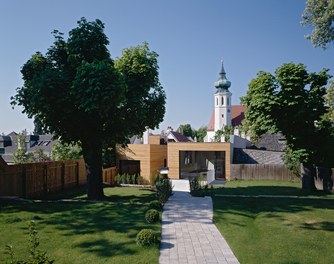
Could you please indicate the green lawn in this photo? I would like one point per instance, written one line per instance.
(82, 232)
(275, 230)
(253, 187)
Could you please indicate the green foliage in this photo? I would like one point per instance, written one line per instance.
(260, 100)
(145, 99)
(40, 156)
(129, 179)
(155, 205)
(80, 94)
(108, 157)
(226, 132)
(147, 237)
(186, 130)
(36, 256)
(320, 15)
(292, 159)
(21, 155)
(293, 102)
(164, 189)
(329, 100)
(63, 151)
(152, 216)
(197, 186)
(200, 133)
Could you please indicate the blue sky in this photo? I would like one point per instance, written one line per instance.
(190, 36)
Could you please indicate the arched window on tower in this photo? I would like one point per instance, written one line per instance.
(228, 101)
(217, 101)
(222, 100)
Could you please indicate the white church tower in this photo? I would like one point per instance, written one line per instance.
(222, 107)
(222, 101)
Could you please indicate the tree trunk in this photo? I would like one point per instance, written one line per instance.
(92, 152)
(324, 179)
(307, 172)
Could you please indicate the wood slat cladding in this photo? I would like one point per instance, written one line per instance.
(174, 153)
(151, 157)
(154, 139)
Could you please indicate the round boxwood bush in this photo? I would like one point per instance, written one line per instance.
(155, 205)
(146, 237)
(152, 216)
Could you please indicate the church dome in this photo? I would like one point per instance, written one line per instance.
(222, 82)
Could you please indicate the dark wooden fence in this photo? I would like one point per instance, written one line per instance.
(261, 172)
(109, 175)
(41, 178)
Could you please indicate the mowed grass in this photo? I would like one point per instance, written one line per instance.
(254, 187)
(82, 232)
(275, 230)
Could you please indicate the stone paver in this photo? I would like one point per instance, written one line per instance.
(188, 234)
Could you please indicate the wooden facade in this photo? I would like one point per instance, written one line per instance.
(174, 155)
(152, 157)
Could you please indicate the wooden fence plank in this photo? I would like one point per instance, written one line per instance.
(37, 179)
(261, 172)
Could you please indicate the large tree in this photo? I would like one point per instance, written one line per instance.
(260, 99)
(80, 94)
(320, 15)
(292, 101)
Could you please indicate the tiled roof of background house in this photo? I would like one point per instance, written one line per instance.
(179, 137)
(275, 142)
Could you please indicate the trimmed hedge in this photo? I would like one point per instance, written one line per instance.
(147, 237)
(152, 216)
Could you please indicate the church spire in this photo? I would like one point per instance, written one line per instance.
(222, 82)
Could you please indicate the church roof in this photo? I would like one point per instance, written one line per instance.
(237, 115)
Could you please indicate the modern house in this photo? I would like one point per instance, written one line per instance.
(183, 157)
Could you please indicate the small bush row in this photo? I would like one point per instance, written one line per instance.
(147, 237)
(130, 179)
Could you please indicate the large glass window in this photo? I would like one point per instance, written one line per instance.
(209, 164)
(129, 167)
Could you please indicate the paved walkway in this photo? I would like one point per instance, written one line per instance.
(188, 234)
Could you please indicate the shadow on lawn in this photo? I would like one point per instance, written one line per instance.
(104, 248)
(91, 218)
(80, 193)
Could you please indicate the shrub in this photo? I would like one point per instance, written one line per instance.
(155, 205)
(37, 256)
(152, 216)
(140, 180)
(164, 189)
(134, 179)
(127, 178)
(146, 237)
(197, 188)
